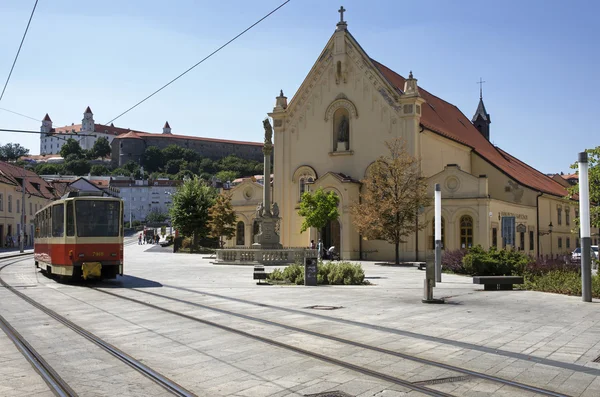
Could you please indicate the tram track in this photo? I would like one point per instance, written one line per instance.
(161, 380)
(345, 364)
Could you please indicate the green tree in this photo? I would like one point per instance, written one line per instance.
(222, 218)
(174, 166)
(594, 186)
(391, 196)
(318, 209)
(155, 216)
(99, 170)
(71, 147)
(49, 169)
(77, 167)
(131, 166)
(12, 152)
(120, 172)
(101, 148)
(190, 209)
(153, 159)
(225, 176)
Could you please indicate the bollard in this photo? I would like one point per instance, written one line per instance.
(429, 282)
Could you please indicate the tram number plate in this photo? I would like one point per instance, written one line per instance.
(97, 253)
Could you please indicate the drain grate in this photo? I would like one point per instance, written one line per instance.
(443, 380)
(329, 394)
(322, 307)
(596, 360)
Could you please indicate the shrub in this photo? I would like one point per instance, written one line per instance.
(478, 262)
(557, 281)
(453, 261)
(540, 266)
(340, 273)
(294, 274)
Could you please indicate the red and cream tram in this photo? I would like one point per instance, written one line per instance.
(80, 236)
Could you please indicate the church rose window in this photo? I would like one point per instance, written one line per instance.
(466, 231)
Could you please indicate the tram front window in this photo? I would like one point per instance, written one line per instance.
(97, 218)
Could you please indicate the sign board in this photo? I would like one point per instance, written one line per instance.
(310, 272)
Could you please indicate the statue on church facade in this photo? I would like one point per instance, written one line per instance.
(268, 131)
(343, 133)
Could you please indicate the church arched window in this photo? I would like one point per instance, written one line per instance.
(341, 130)
(304, 182)
(239, 235)
(466, 231)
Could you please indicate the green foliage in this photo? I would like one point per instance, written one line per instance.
(225, 176)
(76, 166)
(101, 148)
(12, 152)
(594, 186)
(71, 147)
(131, 166)
(479, 262)
(49, 169)
(331, 273)
(561, 282)
(156, 216)
(190, 209)
(318, 209)
(153, 159)
(99, 170)
(120, 171)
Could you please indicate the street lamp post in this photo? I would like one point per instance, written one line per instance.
(584, 223)
(22, 234)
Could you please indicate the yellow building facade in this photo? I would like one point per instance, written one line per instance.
(38, 193)
(337, 124)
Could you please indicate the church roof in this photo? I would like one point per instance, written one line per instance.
(167, 125)
(47, 118)
(447, 120)
(481, 112)
(88, 110)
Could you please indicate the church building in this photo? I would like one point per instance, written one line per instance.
(352, 104)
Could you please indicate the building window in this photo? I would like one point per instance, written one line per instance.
(18, 206)
(432, 240)
(466, 231)
(1, 203)
(568, 241)
(508, 231)
(522, 241)
(239, 235)
(495, 237)
(567, 216)
(304, 181)
(531, 240)
(559, 215)
(9, 203)
(560, 242)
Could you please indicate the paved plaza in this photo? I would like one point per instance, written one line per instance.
(544, 340)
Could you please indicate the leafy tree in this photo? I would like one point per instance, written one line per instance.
(318, 209)
(131, 166)
(120, 171)
(391, 196)
(174, 166)
(71, 147)
(190, 209)
(77, 167)
(225, 176)
(594, 186)
(101, 148)
(222, 218)
(155, 216)
(174, 152)
(153, 159)
(99, 170)
(12, 152)
(49, 169)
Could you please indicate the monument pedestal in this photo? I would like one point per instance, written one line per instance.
(267, 238)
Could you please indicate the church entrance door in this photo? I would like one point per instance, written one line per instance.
(331, 236)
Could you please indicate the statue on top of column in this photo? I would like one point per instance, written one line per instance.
(268, 131)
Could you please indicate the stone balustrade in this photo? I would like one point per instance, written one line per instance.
(253, 256)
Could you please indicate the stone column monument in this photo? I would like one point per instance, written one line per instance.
(267, 215)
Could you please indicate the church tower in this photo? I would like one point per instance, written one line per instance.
(481, 120)
(46, 124)
(167, 128)
(45, 129)
(87, 123)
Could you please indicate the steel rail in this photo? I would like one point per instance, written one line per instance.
(161, 380)
(406, 356)
(57, 384)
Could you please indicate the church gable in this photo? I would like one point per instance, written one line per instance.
(248, 192)
(456, 183)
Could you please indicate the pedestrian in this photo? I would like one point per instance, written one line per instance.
(140, 239)
(320, 249)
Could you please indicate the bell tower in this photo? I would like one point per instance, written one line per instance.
(481, 120)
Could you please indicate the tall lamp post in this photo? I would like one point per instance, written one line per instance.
(22, 234)
(584, 223)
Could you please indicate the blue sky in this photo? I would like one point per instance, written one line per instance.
(539, 59)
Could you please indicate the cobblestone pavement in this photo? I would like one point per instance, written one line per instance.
(544, 340)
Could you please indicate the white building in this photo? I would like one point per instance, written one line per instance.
(140, 197)
(80, 132)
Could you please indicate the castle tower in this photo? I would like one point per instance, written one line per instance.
(87, 123)
(167, 128)
(481, 120)
(45, 128)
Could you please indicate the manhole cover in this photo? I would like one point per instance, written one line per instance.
(322, 307)
(329, 394)
(443, 380)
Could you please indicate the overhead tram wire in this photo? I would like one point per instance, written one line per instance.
(20, 114)
(204, 59)
(19, 50)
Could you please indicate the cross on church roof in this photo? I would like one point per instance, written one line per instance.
(480, 82)
(341, 11)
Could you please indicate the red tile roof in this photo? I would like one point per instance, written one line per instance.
(11, 174)
(571, 176)
(447, 120)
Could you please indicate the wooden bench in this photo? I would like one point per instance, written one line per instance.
(259, 273)
(494, 283)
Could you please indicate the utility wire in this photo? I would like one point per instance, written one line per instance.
(19, 51)
(204, 59)
(20, 114)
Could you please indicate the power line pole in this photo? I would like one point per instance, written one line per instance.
(22, 245)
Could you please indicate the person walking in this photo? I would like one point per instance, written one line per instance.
(140, 239)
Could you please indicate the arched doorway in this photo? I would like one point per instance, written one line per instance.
(331, 235)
